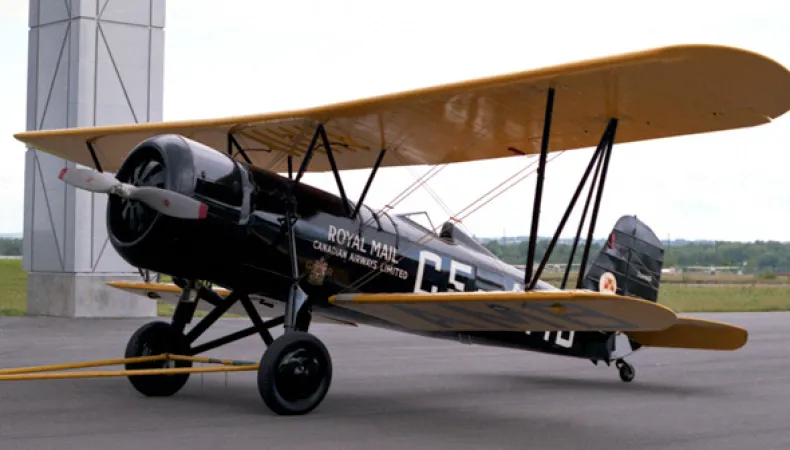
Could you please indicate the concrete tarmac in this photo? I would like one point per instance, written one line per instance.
(393, 391)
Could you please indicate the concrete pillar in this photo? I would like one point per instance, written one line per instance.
(90, 62)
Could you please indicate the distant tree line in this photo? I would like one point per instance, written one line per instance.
(10, 247)
(759, 256)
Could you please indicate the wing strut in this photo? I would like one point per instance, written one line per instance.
(544, 149)
(329, 154)
(369, 182)
(96, 163)
(600, 159)
(611, 131)
(604, 149)
(232, 142)
(320, 132)
(293, 317)
(581, 224)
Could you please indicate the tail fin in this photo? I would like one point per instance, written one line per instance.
(629, 263)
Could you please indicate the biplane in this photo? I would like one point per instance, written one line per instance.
(221, 206)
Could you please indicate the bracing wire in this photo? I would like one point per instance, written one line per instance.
(430, 235)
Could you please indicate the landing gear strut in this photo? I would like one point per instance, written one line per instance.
(627, 371)
(295, 371)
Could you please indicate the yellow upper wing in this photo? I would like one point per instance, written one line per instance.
(512, 311)
(658, 93)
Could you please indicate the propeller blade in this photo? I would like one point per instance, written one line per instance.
(167, 202)
(170, 203)
(88, 179)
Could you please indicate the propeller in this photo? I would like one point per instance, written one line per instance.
(166, 202)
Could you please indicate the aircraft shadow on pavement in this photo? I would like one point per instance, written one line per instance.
(524, 382)
(462, 412)
(477, 422)
(479, 409)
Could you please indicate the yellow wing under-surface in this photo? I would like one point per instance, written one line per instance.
(512, 311)
(657, 93)
(170, 293)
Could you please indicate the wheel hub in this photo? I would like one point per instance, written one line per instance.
(298, 374)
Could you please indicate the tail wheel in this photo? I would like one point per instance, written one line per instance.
(294, 374)
(627, 371)
(151, 339)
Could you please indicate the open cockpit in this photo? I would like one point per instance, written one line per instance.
(450, 232)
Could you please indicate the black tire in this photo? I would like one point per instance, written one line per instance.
(284, 385)
(627, 372)
(155, 338)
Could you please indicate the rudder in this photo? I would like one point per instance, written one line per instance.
(629, 263)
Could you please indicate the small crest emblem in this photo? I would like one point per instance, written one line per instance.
(318, 271)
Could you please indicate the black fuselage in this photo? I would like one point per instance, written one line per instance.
(243, 244)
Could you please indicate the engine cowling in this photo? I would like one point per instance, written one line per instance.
(217, 248)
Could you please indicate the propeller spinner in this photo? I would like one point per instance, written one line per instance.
(166, 202)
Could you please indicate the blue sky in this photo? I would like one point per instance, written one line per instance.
(730, 185)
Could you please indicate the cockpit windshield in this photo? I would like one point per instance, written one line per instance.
(420, 219)
(449, 232)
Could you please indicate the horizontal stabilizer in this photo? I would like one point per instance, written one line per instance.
(694, 333)
(511, 311)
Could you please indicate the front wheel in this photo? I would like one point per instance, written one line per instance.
(294, 374)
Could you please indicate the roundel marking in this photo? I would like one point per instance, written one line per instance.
(607, 283)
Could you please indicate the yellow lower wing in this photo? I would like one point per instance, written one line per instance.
(166, 292)
(512, 311)
(694, 334)
(170, 293)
